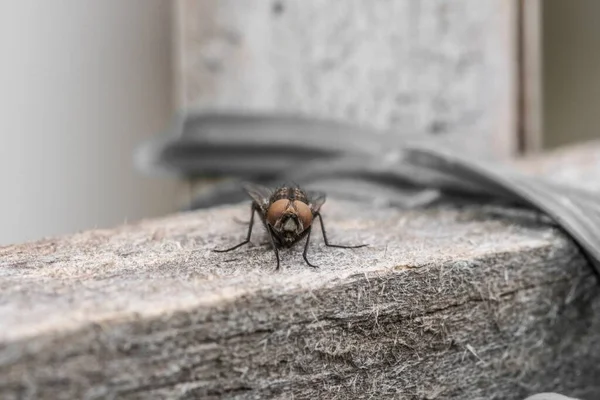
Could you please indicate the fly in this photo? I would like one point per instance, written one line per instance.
(287, 214)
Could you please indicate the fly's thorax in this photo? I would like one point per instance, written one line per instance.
(290, 193)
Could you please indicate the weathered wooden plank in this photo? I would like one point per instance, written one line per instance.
(430, 67)
(454, 302)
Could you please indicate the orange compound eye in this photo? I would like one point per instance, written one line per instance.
(304, 213)
(276, 210)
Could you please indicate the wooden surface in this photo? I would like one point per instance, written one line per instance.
(448, 303)
(574, 165)
(431, 67)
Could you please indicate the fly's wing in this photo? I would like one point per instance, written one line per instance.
(259, 194)
(316, 200)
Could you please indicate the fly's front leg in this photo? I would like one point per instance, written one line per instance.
(249, 234)
(334, 245)
(269, 229)
(306, 249)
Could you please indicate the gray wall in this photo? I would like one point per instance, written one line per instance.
(81, 83)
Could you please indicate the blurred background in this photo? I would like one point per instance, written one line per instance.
(82, 84)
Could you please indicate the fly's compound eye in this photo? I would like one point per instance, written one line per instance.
(276, 210)
(304, 213)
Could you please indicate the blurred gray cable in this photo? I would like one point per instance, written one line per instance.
(356, 163)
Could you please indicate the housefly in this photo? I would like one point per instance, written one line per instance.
(287, 214)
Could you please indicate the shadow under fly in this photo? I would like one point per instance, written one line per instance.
(287, 214)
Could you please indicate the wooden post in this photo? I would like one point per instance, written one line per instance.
(449, 303)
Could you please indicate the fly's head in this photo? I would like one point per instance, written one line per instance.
(289, 219)
(287, 211)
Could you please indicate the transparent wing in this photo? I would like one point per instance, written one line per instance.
(316, 200)
(260, 194)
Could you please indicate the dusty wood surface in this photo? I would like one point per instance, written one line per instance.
(446, 303)
(575, 165)
(433, 67)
